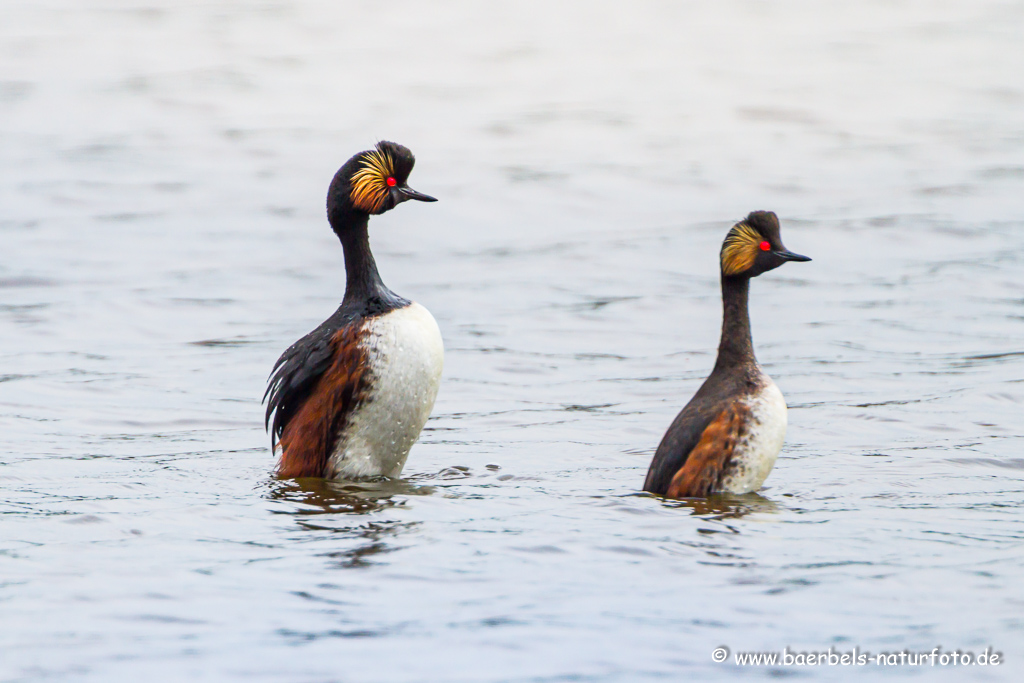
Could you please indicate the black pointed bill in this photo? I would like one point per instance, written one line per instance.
(787, 255)
(409, 193)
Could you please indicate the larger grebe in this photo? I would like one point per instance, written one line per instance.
(729, 434)
(350, 398)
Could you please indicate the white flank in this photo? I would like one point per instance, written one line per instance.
(755, 453)
(406, 355)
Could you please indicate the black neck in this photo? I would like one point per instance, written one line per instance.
(362, 279)
(735, 349)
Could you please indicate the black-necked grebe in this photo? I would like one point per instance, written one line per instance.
(730, 433)
(350, 398)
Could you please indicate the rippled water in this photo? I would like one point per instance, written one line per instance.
(163, 238)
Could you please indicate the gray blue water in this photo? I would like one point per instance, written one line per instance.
(163, 167)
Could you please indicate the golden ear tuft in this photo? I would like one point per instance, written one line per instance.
(370, 183)
(740, 249)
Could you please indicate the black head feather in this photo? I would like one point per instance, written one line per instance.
(371, 182)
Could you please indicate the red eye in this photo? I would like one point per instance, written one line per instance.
(391, 182)
(764, 245)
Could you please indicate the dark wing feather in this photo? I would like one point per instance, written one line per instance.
(682, 437)
(296, 372)
(313, 430)
(679, 440)
(705, 466)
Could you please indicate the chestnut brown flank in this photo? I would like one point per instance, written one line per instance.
(702, 473)
(310, 436)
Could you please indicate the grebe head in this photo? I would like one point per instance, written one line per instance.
(754, 246)
(373, 182)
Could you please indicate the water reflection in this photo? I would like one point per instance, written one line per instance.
(315, 496)
(328, 506)
(375, 538)
(726, 505)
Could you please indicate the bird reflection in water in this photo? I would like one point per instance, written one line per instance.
(725, 505)
(338, 507)
(316, 496)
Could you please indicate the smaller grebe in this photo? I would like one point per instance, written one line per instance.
(730, 433)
